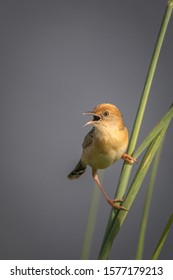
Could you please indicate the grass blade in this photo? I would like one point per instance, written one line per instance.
(166, 119)
(162, 239)
(147, 204)
(92, 216)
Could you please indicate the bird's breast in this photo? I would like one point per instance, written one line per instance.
(106, 148)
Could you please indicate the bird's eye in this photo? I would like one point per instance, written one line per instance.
(106, 113)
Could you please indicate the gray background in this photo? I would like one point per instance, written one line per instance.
(59, 59)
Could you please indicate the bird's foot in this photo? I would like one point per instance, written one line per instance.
(130, 160)
(113, 203)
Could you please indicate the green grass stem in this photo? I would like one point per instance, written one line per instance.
(91, 221)
(166, 118)
(145, 215)
(162, 239)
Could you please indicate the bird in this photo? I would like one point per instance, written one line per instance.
(104, 144)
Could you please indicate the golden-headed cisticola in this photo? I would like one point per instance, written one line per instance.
(105, 143)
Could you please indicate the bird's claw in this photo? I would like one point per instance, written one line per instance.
(129, 159)
(113, 203)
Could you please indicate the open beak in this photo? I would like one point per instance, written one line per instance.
(96, 118)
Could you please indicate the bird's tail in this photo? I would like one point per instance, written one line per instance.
(78, 170)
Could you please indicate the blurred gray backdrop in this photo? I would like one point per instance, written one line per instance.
(60, 58)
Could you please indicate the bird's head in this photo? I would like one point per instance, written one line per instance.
(105, 114)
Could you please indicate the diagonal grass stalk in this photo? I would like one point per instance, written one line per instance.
(91, 221)
(145, 215)
(166, 118)
(146, 90)
(162, 239)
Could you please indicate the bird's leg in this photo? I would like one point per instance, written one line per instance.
(128, 159)
(112, 202)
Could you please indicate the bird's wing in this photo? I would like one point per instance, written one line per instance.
(88, 138)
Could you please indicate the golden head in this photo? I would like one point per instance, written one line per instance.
(106, 114)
